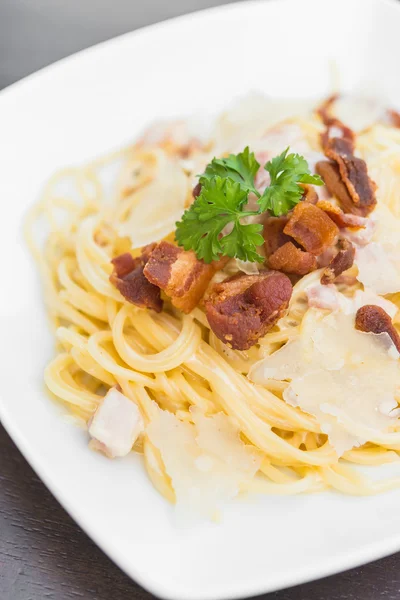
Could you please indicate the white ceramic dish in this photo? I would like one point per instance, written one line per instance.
(97, 101)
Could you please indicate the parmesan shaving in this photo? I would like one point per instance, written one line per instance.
(206, 460)
(248, 267)
(377, 268)
(359, 112)
(165, 197)
(251, 117)
(338, 374)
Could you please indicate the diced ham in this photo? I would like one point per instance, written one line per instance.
(290, 259)
(115, 425)
(373, 319)
(311, 228)
(243, 308)
(324, 297)
(328, 297)
(180, 274)
(360, 236)
(340, 263)
(128, 278)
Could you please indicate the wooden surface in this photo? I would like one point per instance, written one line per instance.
(43, 553)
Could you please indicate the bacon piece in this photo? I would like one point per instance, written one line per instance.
(330, 173)
(243, 308)
(373, 319)
(323, 296)
(354, 175)
(362, 199)
(324, 259)
(341, 218)
(361, 237)
(310, 195)
(273, 233)
(334, 126)
(290, 259)
(358, 230)
(196, 190)
(341, 262)
(311, 228)
(180, 274)
(357, 192)
(129, 279)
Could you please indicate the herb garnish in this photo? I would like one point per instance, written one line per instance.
(225, 187)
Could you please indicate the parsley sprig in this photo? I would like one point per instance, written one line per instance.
(215, 224)
(220, 203)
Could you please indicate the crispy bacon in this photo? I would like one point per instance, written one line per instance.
(330, 173)
(354, 175)
(196, 190)
(273, 233)
(347, 178)
(341, 262)
(311, 228)
(243, 308)
(180, 274)
(290, 259)
(373, 319)
(334, 126)
(341, 218)
(310, 195)
(128, 278)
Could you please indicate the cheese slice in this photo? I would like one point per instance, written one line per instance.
(206, 460)
(344, 377)
(379, 261)
(157, 206)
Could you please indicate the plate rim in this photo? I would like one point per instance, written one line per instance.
(169, 590)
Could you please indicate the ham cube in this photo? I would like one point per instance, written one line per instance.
(115, 425)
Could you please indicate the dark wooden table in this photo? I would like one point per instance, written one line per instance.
(43, 553)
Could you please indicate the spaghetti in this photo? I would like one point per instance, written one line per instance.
(170, 360)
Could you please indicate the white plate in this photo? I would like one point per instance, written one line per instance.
(96, 101)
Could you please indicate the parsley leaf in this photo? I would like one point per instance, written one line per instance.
(238, 167)
(214, 225)
(242, 242)
(219, 204)
(286, 172)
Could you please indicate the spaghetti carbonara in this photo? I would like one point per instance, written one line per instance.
(232, 373)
